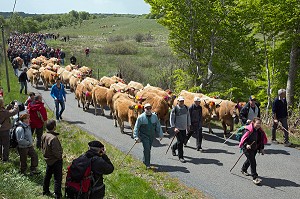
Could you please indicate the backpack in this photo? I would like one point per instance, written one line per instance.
(240, 132)
(79, 178)
(13, 142)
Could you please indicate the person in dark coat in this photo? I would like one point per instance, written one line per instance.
(23, 79)
(253, 141)
(196, 123)
(250, 111)
(73, 60)
(101, 165)
(280, 114)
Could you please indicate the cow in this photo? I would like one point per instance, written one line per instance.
(83, 95)
(34, 76)
(228, 114)
(126, 110)
(74, 81)
(69, 67)
(48, 77)
(86, 71)
(107, 81)
(119, 86)
(99, 96)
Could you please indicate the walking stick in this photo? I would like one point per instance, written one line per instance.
(170, 144)
(128, 153)
(229, 137)
(240, 157)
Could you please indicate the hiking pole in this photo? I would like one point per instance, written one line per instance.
(240, 157)
(127, 153)
(229, 137)
(170, 144)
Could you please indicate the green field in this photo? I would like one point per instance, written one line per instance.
(150, 61)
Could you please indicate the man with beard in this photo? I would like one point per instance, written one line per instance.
(146, 128)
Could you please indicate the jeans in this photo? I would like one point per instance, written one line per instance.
(62, 61)
(62, 104)
(284, 123)
(179, 144)
(250, 154)
(23, 85)
(56, 170)
(16, 72)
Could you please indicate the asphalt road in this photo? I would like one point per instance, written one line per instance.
(207, 171)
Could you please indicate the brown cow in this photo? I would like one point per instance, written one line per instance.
(34, 76)
(126, 111)
(99, 96)
(83, 95)
(228, 114)
(48, 77)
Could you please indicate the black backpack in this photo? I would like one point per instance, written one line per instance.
(79, 178)
(13, 135)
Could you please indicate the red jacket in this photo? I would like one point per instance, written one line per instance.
(35, 121)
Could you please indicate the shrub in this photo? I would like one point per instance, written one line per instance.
(139, 37)
(116, 38)
(120, 48)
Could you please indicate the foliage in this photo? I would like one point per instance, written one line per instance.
(120, 48)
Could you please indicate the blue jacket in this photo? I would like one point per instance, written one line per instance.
(144, 128)
(59, 94)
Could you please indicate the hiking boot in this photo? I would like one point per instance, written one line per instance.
(60, 118)
(257, 181)
(182, 160)
(148, 167)
(274, 141)
(287, 144)
(245, 173)
(199, 148)
(48, 193)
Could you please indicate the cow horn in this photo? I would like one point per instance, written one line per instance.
(220, 102)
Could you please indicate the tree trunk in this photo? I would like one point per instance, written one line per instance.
(294, 56)
(209, 66)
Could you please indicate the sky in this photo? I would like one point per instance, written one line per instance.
(65, 6)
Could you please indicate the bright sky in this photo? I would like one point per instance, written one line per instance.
(65, 6)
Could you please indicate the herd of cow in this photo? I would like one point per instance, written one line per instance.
(126, 100)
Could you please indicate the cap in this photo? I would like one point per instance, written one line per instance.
(252, 97)
(96, 144)
(197, 99)
(147, 105)
(180, 98)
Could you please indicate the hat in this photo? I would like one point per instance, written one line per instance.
(180, 98)
(252, 97)
(96, 144)
(197, 99)
(147, 105)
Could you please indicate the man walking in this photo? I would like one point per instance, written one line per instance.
(59, 95)
(196, 123)
(250, 111)
(23, 79)
(180, 121)
(280, 114)
(146, 128)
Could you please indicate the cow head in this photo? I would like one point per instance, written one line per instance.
(140, 99)
(137, 109)
(235, 113)
(211, 107)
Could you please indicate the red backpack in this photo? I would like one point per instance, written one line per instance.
(79, 178)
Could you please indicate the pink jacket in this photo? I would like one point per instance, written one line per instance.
(249, 130)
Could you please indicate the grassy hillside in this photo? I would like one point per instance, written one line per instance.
(114, 47)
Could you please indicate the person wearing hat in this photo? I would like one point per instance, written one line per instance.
(101, 165)
(58, 93)
(52, 151)
(250, 111)
(280, 114)
(146, 128)
(25, 145)
(181, 122)
(196, 123)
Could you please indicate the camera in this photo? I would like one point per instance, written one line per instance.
(19, 104)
